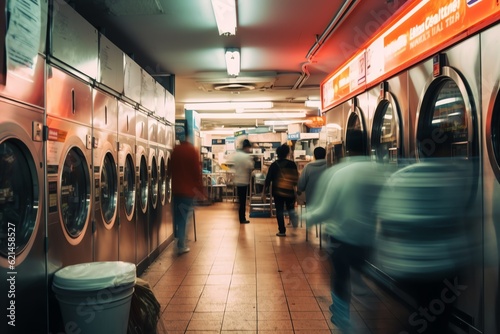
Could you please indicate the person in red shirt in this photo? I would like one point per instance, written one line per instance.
(187, 186)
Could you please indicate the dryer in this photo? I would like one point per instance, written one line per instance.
(127, 184)
(490, 83)
(165, 137)
(142, 202)
(69, 176)
(444, 93)
(22, 223)
(105, 176)
(154, 211)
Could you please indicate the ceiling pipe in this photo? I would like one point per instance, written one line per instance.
(343, 12)
(303, 76)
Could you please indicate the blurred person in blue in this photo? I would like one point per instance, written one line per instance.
(344, 204)
(243, 165)
(282, 177)
(311, 173)
(422, 238)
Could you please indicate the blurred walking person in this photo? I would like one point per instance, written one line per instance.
(344, 202)
(187, 186)
(283, 176)
(243, 166)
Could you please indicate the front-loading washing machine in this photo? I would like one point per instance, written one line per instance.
(143, 171)
(69, 176)
(165, 138)
(154, 212)
(127, 184)
(105, 157)
(22, 223)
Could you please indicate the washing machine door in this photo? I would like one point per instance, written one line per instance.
(154, 183)
(74, 194)
(109, 190)
(355, 124)
(493, 133)
(143, 184)
(129, 187)
(386, 132)
(168, 182)
(162, 182)
(19, 191)
(446, 123)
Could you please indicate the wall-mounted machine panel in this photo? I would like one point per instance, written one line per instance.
(74, 41)
(148, 88)
(132, 80)
(160, 110)
(170, 107)
(111, 65)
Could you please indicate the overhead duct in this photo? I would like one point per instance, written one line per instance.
(212, 82)
(341, 15)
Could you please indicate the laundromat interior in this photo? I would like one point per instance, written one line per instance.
(91, 111)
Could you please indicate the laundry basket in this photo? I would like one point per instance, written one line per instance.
(95, 297)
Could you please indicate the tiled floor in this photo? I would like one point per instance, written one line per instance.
(244, 279)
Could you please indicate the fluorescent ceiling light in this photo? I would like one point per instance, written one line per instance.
(225, 16)
(233, 61)
(313, 103)
(228, 105)
(283, 116)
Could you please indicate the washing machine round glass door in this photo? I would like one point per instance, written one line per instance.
(163, 182)
(444, 122)
(75, 192)
(385, 133)
(129, 186)
(19, 190)
(109, 189)
(493, 133)
(355, 125)
(168, 183)
(154, 183)
(143, 184)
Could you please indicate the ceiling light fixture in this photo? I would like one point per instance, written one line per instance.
(225, 16)
(228, 105)
(233, 61)
(313, 103)
(283, 116)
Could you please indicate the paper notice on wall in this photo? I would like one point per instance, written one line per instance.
(23, 36)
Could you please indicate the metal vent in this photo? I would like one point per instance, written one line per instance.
(234, 87)
(213, 82)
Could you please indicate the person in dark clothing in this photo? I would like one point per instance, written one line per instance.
(283, 175)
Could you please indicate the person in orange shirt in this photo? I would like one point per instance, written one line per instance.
(187, 186)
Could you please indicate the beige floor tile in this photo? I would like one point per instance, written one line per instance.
(242, 279)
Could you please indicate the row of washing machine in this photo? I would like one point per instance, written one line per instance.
(83, 177)
(445, 106)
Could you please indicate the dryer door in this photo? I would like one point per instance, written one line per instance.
(109, 190)
(355, 126)
(75, 195)
(129, 187)
(19, 191)
(386, 132)
(445, 125)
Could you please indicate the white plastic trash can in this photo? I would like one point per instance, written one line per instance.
(95, 297)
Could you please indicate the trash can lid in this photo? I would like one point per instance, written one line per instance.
(94, 276)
